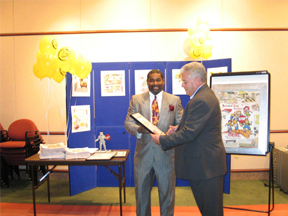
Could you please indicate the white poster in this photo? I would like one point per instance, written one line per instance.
(80, 118)
(81, 87)
(177, 89)
(141, 81)
(113, 83)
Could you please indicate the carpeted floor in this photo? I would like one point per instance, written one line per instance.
(10, 209)
(17, 200)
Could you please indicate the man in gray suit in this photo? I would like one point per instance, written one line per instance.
(200, 156)
(150, 160)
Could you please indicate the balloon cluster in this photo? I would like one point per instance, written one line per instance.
(54, 63)
(200, 40)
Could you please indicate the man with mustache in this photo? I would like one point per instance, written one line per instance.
(150, 161)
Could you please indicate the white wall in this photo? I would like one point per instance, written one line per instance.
(25, 96)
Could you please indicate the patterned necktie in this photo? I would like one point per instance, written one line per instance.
(155, 112)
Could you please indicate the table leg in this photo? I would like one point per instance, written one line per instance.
(124, 183)
(32, 168)
(120, 188)
(48, 188)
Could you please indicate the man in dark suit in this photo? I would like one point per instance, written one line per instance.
(200, 155)
(150, 160)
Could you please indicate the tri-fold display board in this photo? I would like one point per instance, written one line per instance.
(100, 103)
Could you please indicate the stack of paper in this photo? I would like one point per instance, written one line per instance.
(50, 151)
(77, 153)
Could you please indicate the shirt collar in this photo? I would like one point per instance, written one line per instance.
(196, 91)
(159, 96)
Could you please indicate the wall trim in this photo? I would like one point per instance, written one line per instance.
(134, 31)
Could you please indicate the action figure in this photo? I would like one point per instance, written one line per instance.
(102, 138)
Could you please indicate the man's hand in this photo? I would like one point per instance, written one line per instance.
(155, 137)
(171, 130)
(142, 130)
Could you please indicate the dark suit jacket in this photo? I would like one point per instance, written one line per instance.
(199, 149)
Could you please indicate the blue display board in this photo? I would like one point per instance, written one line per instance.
(80, 182)
(108, 114)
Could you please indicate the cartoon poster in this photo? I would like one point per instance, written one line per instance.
(113, 83)
(240, 117)
(81, 87)
(80, 118)
(141, 81)
(244, 102)
(177, 89)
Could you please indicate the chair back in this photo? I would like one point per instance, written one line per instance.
(1, 127)
(4, 135)
(18, 128)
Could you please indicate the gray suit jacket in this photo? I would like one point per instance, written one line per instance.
(146, 149)
(199, 149)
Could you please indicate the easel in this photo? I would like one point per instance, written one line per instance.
(270, 186)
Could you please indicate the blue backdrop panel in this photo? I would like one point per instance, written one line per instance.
(110, 110)
(110, 114)
(82, 178)
(218, 63)
(119, 140)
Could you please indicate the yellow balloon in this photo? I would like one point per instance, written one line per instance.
(195, 53)
(203, 28)
(207, 46)
(48, 45)
(52, 69)
(59, 75)
(37, 72)
(194, 45)
(77, 63)
(192, 30)
(66, 58)
(46, 62)
(38, 55)
(202, 20)
(198, 38)
(84, 69)
(206, 55)
(208, 37)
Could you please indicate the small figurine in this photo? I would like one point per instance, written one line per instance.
(102, 142)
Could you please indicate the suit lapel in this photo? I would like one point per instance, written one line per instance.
(164, 109)
(146, 106)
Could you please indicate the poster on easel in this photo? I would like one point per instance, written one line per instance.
(244, 99)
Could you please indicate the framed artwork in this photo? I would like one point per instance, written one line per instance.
(245, 105)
